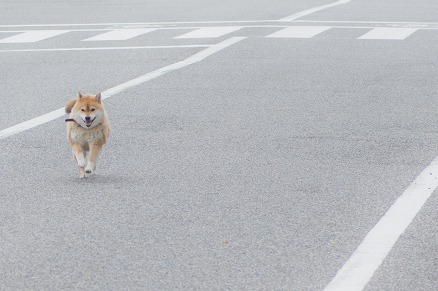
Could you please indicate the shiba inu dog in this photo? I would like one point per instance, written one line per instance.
(87, 130)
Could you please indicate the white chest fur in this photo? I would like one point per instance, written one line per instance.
(84, 136)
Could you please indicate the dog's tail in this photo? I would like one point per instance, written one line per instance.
(70, 104)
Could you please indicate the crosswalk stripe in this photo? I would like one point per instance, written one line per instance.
(388, 33)
(299, 31)
(120, 34)
(106, 48)
(209, 32)
(377, 33)
(32, 36)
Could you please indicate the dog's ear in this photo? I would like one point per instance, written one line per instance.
(79, 95)
(99, 97)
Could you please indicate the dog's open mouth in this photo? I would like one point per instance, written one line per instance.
(88, 122)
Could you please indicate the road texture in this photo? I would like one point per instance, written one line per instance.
(262, 166)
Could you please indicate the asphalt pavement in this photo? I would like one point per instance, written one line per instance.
(261, 167)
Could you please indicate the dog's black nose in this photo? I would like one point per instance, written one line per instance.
(87, 118)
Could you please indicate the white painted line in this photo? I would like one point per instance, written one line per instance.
(313, 10)
(129, 84)
(173, 24)
(299, 32)
(135, 24)
(32, 36)
(388, 33)
(360, 267)
(190, 60)
(120, 34)
(106, 48)
(369, 22)
(209, 32)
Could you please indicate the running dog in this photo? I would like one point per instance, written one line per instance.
(87, 130)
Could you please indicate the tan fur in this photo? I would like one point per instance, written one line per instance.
(70, 104)
(87, 137)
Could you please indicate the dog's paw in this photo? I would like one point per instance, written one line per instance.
(81, 173)
(81, 162)
(90, 168)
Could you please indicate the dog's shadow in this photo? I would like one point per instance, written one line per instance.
(97, 179)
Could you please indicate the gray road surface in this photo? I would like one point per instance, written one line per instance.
(261, 167)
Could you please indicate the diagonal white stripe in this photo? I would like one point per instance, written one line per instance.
(361, 266)
(388, 33)
(120, 34)
(313, 10)
(134, 82)
(32, 36)
(299, 32)
(210, 32)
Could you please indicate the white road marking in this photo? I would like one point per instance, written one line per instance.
(134, 82)
(32, 36)
(108, 48)
(299, 32)
(313, 10)
(394, 23)
(190, 60)
(286, 31)
(360, 267)
(120, 34)
(209, 32)
(388, 33)
(274, 24)
(199, 24)
(135, 24)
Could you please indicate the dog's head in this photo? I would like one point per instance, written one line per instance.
(88, 110)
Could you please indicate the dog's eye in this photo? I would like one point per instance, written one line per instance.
(83, 110)
(92, 109)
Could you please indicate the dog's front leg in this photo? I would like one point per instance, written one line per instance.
(95, 150)
(80, 158)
